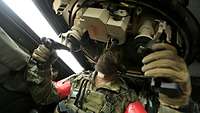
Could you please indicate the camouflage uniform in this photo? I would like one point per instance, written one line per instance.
(112, 97)
(40, 85)
(85, 97)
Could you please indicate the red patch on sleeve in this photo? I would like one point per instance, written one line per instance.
(135, 107)
(63, 88)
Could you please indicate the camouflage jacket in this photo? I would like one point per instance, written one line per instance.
(112, 97)
(40, 85)
(87, 98)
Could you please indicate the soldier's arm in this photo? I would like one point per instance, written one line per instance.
(166, 64)
(39, 76)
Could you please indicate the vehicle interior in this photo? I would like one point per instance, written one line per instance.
(27, 39)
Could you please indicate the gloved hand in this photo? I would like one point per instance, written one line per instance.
(42, 54)
(165, 63)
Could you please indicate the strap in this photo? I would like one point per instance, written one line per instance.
(83, 89)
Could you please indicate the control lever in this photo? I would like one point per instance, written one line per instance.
(51, 44)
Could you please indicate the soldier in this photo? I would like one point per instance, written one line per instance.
(125, 29)
(105, 90)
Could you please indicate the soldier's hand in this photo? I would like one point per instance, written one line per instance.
(165, 63)
(41, 54)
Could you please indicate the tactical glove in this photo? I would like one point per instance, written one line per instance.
(165, 63)
(42, 54)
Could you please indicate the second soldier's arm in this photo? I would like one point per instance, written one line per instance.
(165, 63)
(39, 75)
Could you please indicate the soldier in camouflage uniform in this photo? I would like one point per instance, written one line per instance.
(39, 76)
(105, 90)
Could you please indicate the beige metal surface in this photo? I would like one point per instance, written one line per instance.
(117, 29)
(94, 20)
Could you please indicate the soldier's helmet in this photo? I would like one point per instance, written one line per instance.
(128, 26)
